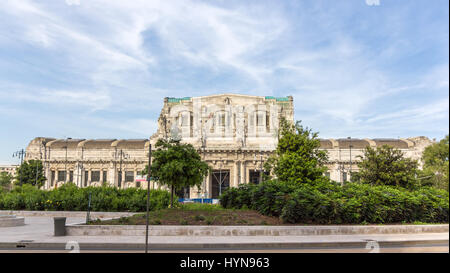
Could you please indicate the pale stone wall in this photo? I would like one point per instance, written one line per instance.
(10, 169)
(234, 134)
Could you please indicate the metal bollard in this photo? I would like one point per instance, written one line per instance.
(60, 226)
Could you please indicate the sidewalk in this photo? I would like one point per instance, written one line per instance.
(38, 233)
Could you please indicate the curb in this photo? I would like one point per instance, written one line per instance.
(159, 230)
(218, 246)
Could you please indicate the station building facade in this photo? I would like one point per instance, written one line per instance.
(234, 134)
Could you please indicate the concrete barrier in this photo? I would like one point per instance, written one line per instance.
(156, 230)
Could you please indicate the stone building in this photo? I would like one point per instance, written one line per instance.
(234, 134)
(9, 169)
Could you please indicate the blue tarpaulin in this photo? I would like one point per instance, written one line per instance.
(197, 200)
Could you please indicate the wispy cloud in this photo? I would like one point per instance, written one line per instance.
(102, 68)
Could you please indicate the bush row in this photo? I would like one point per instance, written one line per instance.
(330, 203)
(71, 198)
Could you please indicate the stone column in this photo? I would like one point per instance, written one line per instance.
(208, 186)
(243, 172)
(67, 175)
(112, 174)
(235, 174)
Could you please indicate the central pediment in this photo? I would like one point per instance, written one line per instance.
(229, 98)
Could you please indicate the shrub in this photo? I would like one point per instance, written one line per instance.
(269, 197)
(237, 198)
(71, 198)
(329, 203)
(357, 203)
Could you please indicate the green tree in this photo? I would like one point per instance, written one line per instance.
(297, 158)
(5, 181)
(386, 166)
(435, 169)
(30, 172)
(176, 165)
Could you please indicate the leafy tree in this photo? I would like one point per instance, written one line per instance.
(5, 181)
(297, 158)
(436, 169)
(30, 172)
(386, 165)
(177, 165)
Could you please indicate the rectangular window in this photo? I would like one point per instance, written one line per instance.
(344, 177)
(105, 177)
(53, 178)
(184, 119)
(119, 180)
(61, 176)
(129, 176)
(95, 176)
(260, 119)
(138, 184)
(221, 119)
(71, 176)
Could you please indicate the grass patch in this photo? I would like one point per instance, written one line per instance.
(196, 214)
(206, 214)
(200, 207)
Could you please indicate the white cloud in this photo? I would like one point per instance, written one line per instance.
(127, 55)
(73, 2)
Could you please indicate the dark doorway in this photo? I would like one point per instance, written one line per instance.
(256, 177)
(183, 193)
(220, 182)
(119, 180)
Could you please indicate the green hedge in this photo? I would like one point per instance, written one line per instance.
(329, 203)
(71, 198)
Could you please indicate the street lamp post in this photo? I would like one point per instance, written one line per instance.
(350, 171)
(204, 158)
(20, 154)
(65, 162)
(121, 175)
(148, 194)
(220, 177)
(40, 157)
(65, 165)
(122, 155)
(260, 169)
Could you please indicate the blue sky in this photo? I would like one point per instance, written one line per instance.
(101, 68)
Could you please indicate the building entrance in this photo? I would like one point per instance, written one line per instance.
(220, 182)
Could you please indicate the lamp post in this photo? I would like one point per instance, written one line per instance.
(260, 169)
(122, 155)
(148, 193)
(204, 158)
(20, 154)
(65, 162)
(40, 157)
(350, 171)
(220, 175)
